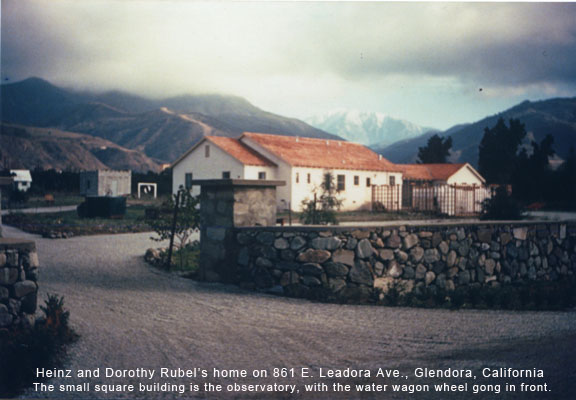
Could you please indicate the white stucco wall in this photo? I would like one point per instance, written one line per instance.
(203, 167)
(465, 176)
(252, 171)
(105, 183)
(354, 197)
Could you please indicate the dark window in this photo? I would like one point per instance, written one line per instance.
(356, 180)
(368, 182)
(225, 174)
(206, 151)
(308, 178)
(262, 175)
(392, 181)
(297, 177)
(341, 183)
(188, 180)
(87, 183)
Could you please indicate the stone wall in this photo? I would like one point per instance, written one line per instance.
(18, 282)
(359, 264)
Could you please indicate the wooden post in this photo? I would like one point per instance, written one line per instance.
(173, 231)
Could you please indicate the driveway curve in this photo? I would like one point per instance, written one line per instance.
(131, 316)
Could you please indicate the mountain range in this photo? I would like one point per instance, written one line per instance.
(368, 128)
(556, 117)
(159, 129)
(52, 127)
(30, 147)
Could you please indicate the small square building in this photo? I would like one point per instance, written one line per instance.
(105, 183)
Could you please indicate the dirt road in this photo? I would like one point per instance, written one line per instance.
(131, 316)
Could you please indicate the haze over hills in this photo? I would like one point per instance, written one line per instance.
(30, 147)
(556, 117)
(162, 129)
(368, 128)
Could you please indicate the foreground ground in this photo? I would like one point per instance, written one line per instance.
(131, 316)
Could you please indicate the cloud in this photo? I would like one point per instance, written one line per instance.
(295, 53)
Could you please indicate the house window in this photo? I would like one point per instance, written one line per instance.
(206, 151)
(188, 180)
(341, 180)
(297, 177)
(87, 183)
(225, 174)
(262, 175)
(356, 180)
(308, 178)
(368, 182)
(392, 181)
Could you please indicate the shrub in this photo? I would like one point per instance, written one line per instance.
(43, 346)
(501, 206)
(321, 209)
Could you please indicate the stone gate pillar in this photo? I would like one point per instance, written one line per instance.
(225, 204)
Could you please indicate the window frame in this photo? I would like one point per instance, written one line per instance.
(341, 183)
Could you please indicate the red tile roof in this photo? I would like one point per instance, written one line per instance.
(429, 172)
(240, 151)
(322, 153)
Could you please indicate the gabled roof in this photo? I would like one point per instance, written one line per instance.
(240, 151)
(321, 153)
(234, 148)
(434, 172)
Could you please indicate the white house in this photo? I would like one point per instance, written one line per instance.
(301, 162)
(452, 189)
(451, 174)
(22, 179)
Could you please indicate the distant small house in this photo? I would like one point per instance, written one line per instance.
(453, 189)
(22, 179)
(105, 183)
(451, 174)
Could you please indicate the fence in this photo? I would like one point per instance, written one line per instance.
(457, 200)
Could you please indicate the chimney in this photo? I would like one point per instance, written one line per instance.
(379, 157)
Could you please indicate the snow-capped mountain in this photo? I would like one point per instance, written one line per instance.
(367, 128)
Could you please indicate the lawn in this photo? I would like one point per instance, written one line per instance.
(64, 224)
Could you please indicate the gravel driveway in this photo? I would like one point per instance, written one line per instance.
(131, 316)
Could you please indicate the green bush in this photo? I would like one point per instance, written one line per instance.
(501, 206)
(43, 346)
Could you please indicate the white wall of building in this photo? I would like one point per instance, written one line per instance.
(253, 172)
(465, 176)
(354, 197)
(203, 167)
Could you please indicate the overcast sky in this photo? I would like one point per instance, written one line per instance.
(435, 64)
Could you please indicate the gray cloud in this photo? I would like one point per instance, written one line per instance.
(283, 53)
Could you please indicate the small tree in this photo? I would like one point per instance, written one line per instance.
(321, 209)
(436, 150)
(186, 224)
